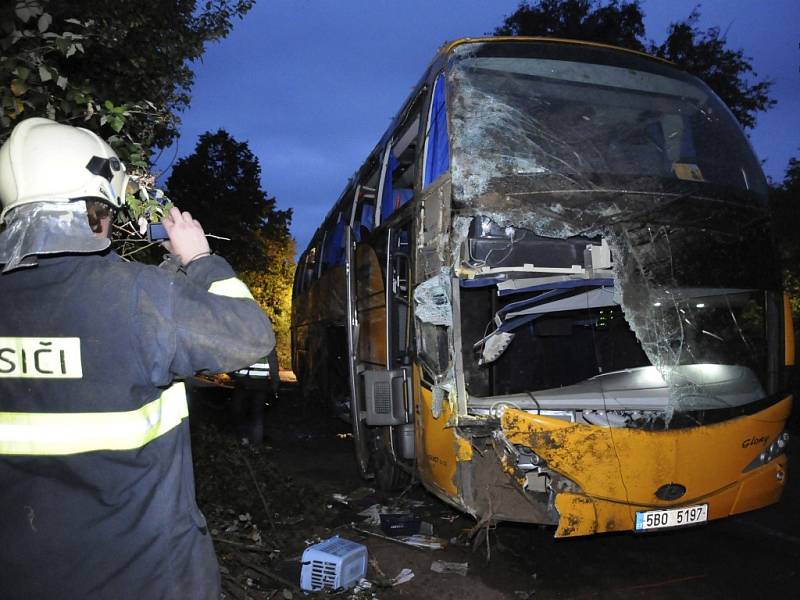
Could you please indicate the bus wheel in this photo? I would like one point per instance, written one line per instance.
(389, 476)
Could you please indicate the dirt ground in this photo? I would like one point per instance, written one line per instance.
(264, 507)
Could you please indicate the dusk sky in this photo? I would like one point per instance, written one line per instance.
(311, 85)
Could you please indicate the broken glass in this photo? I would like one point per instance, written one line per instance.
(558, 150)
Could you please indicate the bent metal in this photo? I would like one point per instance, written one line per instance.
(520, 298)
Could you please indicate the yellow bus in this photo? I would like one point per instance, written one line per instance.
(550, 294)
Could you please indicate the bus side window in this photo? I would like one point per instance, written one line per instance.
(298, 276)
(333, 254)
(309, 275)
(437, 146)
(401, 168)
(367, 220)
(399, 325)
(364, 221)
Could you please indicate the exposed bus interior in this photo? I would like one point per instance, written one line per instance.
(554, 342)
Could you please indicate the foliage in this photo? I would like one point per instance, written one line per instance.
(727, 72)
(121, 68)
(621, 23)
(785, 204)
(220, 185)
(615, 23)
(272, 289)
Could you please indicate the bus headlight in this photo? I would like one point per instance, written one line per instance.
(776, 448)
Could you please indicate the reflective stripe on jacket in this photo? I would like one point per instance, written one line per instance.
(259, 369)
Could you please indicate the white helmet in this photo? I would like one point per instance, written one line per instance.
(45, 161)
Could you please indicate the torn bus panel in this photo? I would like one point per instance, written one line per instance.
(647, 460)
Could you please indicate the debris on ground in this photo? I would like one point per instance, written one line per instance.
(427, 542)
(355, 496)
(403, 576)
(441, 566)
(262, 519)
(258, 517)
(399, 522)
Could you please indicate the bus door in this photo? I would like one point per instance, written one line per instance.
(382, 350)
(359, 435)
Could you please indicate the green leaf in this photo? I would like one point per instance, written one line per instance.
(14, 37)
(61, 82)
(116, 123)
(44, 22)
(22, 72)
(18, 87)
(44, 74)
(26, 9)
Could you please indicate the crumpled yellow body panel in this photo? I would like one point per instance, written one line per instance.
(619, 470)
(439, 446)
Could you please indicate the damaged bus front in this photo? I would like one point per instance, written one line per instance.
(550, 293)
(617, 335)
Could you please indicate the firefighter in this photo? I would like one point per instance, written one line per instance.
(251, 386)
(96, 486)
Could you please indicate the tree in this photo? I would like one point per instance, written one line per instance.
(621, 23)
(728, 72)
(122, 68)
(271, 286)
(220, 185)
(785, 204)
(615, 23)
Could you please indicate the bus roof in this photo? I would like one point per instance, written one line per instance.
(448, 47)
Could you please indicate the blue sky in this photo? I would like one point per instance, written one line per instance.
(311, 85)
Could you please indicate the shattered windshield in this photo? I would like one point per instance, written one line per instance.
(557, 149)
(575, 117)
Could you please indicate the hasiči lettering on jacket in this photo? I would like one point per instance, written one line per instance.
(41, 358)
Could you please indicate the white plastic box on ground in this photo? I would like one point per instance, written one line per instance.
(333, 564)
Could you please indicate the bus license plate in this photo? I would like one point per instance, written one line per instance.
(674, 517)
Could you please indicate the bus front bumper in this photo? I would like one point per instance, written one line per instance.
(618, 472)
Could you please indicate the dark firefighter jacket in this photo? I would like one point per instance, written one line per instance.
(96, 486)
